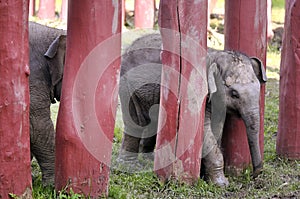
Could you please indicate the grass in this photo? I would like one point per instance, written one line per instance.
(280, 178)
(278, 7)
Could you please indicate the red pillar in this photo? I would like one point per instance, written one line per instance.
(15, 174)
(144, 13)
(123, 13)
(46, 9)
(288, 140)
(64, 11)
(89, 97)
(179, 139)
(32, 8)
(245, 31)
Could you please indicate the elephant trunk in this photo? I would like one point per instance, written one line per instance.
(252, 122)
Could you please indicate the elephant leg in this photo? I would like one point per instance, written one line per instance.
(212, 157)
(148, 144)
(149, 135)
(42, 140)
(130, 147)
(132, 133)
(135, 122)
(214, 167)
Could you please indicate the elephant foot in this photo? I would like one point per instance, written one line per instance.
(257, 170)
(127, 156)
(217, 177)
(148, 156)
(129, 150)
(48, 180)
(214, 168)
(47, 174)
(128, 162)
(47, 168)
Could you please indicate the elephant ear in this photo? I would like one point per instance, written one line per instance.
(217, 100)
(55, 56)
(212, 87)
(259, 69)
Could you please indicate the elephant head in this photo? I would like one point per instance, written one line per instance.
(234, 81)
(55, 57)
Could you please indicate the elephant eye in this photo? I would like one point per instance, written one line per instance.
(235, 94)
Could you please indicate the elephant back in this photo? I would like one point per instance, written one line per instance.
(144, 50)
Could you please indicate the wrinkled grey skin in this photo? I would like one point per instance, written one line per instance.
(234, 88)
(47, 52)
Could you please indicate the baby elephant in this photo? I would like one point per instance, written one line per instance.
(234, 82)
(47, 53)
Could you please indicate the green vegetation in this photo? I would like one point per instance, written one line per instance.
(278, 7)
(280, 178)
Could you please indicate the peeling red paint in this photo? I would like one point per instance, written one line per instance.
(183, 30)
(15, 174)
(288, 140)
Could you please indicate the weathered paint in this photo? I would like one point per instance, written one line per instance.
(143, 13)
(196, 91)
(15, 174)
(288, 139)
(245, 32)
(86, 116)
(46, 9)
(179, 139)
